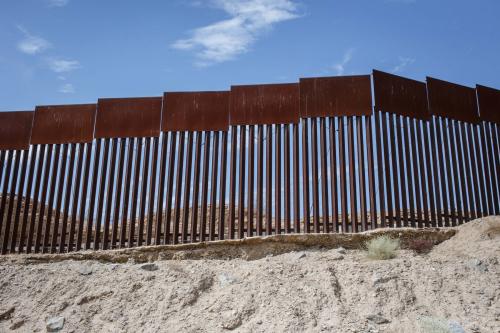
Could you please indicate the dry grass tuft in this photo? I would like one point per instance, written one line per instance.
(382, 248)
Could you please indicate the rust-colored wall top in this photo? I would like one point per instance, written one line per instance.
(195, 111)
(451, 100)
(399, 95)
(264, 104)
(15, 130)
(335, 96)
(489, 103)
(57, 124)
(128, 117)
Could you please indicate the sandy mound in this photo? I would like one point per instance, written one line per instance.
(318, 290)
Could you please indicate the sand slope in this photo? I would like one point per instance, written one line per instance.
(314, 290)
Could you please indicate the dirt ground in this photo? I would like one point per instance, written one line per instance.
(311, 289)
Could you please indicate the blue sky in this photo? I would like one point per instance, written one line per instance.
(75, 51)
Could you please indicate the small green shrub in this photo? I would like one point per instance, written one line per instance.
(382, 248)
(420, 246)
(433, 325)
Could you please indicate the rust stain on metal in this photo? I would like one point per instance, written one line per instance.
(399, 95)
(128, 117)
(15, 129)
(58, 124)
(335, 96)
(264, 104)
(451, 100)
(196, 111)
(489, 103)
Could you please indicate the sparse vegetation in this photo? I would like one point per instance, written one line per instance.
(421, 246)
(434, 325)
(382, 248)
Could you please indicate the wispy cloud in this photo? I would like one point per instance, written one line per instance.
(63, 65)
(57, 3)
(339, 67)
(31, 44)
(403, 63)
(226, 39)
(67, 88)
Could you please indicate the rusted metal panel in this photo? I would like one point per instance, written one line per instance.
(58, 124)
(128, 117)
(264, 104)
(451, 100)
(335, 96)
(399, 95)
(489, 103)
(195, 111)
(15, 129)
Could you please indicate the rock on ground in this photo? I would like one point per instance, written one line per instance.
(456, 284)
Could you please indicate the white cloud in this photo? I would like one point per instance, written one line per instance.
(340, 67)
(403, 63)
(63, 65)
(224, 40)
(58, 3)
(31, 44)
(67, 88)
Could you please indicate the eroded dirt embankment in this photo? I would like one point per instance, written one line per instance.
(282, 284)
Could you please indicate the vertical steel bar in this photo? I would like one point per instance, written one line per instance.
(469, 170)
(305, 174)
(232, 182)
(41, 214)
(432, 186)
(178, 188)
(352, 175)
(241, 182)
(12, 196)
(395, 181)
(251, 185)
(442, 204)
(260, 178)
(32, 227)
(187, 188)
(488, 151)
(27, 202)
(101, 194)
(277, 180)
(204, 189)
(496, 154)
(287, 158)
(333, 178)
(455, 175)
(67, 198)
(371, 172)
(61, 182)
(459, 159)
(83, 198)
(5, 188)
(388, 186)
(170, 185)
(213, 201)
(416, 183)
(135, 191)
(361, 171)
(111, 192)
(343, 175)
(424, 189)
(118, 195)
(222, 186)
(324, 176)
(380, 169)
(444, 129)
(93, 190)
(74, 197)
(404, 138)
(483, 207)
(161, 188)
(143, 195)
(52, 190)
(152, 191)
(68, 180)
(196, 187)
(126, 195)
(315, 180)
(269, 179)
